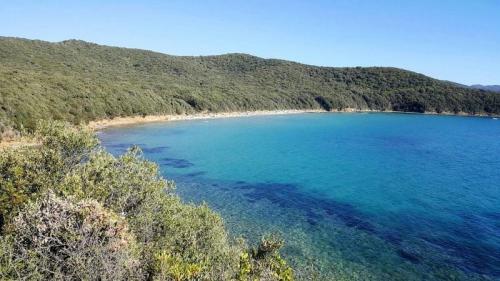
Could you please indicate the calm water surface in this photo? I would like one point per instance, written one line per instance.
(356, 196)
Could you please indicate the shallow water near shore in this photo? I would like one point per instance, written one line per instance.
(357, 196)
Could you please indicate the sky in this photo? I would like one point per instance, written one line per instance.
(456, 40)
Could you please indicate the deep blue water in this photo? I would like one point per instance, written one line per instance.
(356, 196)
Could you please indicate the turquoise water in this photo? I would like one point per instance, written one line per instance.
(356, 196)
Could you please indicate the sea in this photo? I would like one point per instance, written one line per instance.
(355, 196)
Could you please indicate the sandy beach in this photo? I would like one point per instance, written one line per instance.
(125, 121)
(133, 120)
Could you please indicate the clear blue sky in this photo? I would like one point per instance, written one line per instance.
(456, 40)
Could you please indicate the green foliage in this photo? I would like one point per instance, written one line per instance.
(73, 143)
(26, 173)
(18, 181)
(131, 186)
(78, 81)
(265, 262)
(197, 235)
(62, 239)
(122, 184)
(168, 267)
(70, 210)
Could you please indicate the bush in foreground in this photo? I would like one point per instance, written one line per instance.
(55, 238)
(70, 210)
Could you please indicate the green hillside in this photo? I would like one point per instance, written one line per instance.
(79, 81)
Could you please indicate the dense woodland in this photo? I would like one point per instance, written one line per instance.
(79, 81)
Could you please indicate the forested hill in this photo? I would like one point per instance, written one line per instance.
(79, 81)
(493, 88)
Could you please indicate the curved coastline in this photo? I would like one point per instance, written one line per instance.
(289, 195)
(125, 121)
(101, 124)
(134, 120)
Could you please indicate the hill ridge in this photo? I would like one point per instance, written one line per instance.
(80, 81)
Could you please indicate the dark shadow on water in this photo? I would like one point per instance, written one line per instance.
(468, 245)
(119, 148)
(463, 248)
(152, 150)
(392, 237)
(411, 257)
(123, 147)
(415, 238)
(289, 196)
(175, 163)
(194, 174)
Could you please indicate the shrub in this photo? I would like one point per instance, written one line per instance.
(72, 144)
(131, 186)
(74, 211)
(168, 267)
(27, 172)
(196, 235)
(24, 173)
(124, 183)
(265, 262)
(63, 239)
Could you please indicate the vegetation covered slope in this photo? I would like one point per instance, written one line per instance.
(79, 81)
(492, 88)
(71, 211)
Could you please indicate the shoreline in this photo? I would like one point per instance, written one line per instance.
(136, 120)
